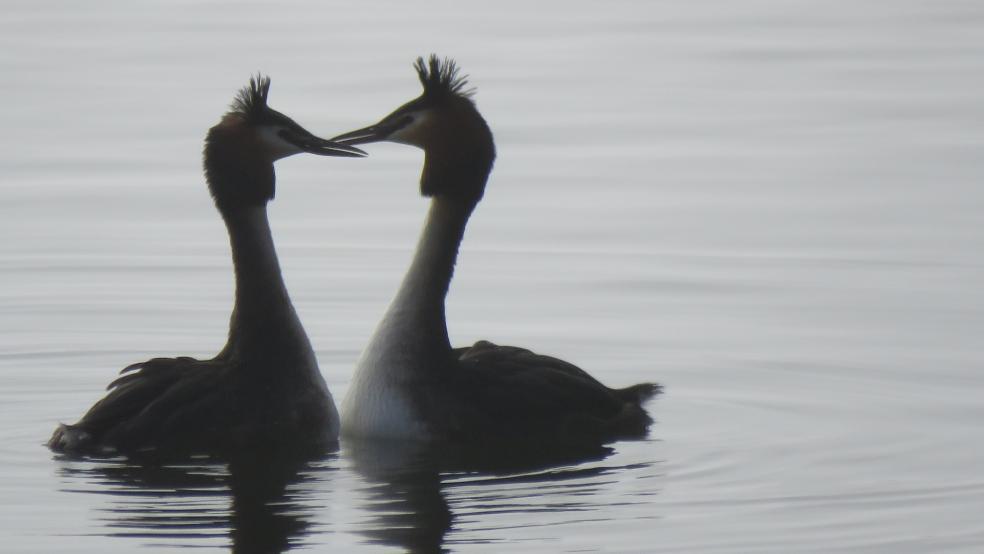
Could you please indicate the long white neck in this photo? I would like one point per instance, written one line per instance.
(411, 342)
(263, 320)
(414, 329)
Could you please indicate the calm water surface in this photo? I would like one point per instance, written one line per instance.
(773, 208)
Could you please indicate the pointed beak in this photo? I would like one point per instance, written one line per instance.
(316, 145)
(373, 133)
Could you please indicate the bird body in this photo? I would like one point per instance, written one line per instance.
(264, 388)
(410, 383)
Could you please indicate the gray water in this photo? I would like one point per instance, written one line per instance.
(772, 208)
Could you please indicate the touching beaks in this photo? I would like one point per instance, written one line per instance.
(375, 133)
(316, 145)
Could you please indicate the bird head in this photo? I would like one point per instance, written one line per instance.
(445, 123)
(241, 148)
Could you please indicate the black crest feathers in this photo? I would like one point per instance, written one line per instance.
(441, 78)
(252, 99)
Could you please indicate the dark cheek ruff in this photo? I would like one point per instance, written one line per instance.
(238, 174)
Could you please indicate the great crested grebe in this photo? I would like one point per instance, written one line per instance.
(264, 388)
(409, 382)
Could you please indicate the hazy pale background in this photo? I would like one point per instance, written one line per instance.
(773, 208)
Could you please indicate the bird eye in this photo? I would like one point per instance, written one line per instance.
(403, 122)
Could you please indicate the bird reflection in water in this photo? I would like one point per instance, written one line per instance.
(256, 504)
(408, 482)
(403, 485)
(415, 495)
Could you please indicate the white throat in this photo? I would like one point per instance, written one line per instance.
(377, 403)
(276, 146)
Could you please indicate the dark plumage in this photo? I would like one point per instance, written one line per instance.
(264, 388)
(490, 391)
(486, 391)
(181, 406)
(442, 78)
(251, 102)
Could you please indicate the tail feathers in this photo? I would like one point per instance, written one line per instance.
(69, 438)
(640, 393)
(633, 421)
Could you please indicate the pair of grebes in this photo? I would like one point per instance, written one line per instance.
(264, 388)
